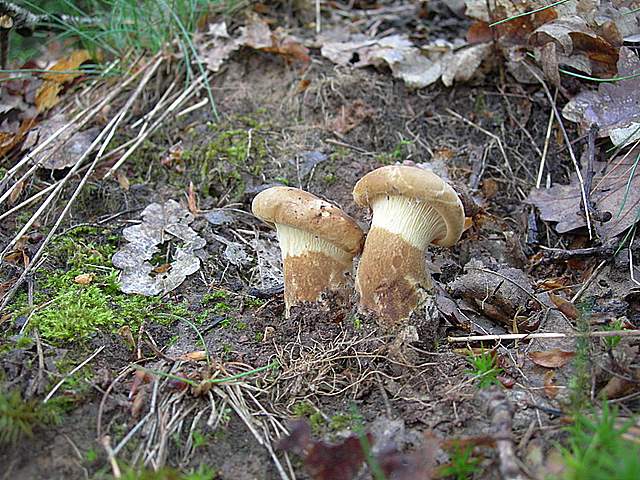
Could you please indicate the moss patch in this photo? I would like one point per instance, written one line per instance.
(73, 304)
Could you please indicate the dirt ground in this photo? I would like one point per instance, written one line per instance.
(334, 368)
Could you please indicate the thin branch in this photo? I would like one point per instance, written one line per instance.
(530, 336)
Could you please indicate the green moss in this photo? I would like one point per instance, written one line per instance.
(341, 422)
(65, 310)
(307, 410)
(597, 447)
(19, 417)
(398, 154)
(237, 150)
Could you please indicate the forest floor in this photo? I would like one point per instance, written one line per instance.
(205, 380)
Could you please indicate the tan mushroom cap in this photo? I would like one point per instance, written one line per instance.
(303, 210)
(420, 184)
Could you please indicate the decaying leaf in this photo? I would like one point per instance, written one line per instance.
(196, 356)
(350, 116)
(616, 190)
(160, 224)
(62, 72)
(65, 150)
(417, 67)
(551, 390)
(342, 461)
(552, 358)
(216, 46)
(564, 305)
(614, 107)
(84, 278)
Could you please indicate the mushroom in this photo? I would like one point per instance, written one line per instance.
(318, 242)
(412, 208)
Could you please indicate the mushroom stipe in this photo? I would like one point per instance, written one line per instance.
(412, 208)
(318, 242)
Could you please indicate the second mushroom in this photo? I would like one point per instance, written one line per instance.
(317, 239)
(412, 208)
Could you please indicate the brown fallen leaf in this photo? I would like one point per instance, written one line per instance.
(614, 106)
(47, 96)
(555, 358)
(65, 150)
(84, 278)
(123, 181)
(16, 192)
(564, 305)
(192, 199)
(62, 71)
(616, 190)
(196, 356)
(165, 267)
(550, 388)
(11, 139)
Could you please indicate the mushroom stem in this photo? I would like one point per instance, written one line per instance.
(311, 266)
(392, 279)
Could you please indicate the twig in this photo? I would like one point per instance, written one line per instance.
(586, 284)
(486, 132)
(560, 254)
(547, 139)
(25, 22)
(70, 374)
(106, 443)
(531, 336)
(499, 408)
(572, 154)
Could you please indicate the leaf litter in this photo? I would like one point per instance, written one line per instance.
(615, 107)
(166, 223)
(616, 190)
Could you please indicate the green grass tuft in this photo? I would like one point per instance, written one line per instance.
(484, 369)
(597, 450)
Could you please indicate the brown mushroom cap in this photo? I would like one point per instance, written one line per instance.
(303, 210)
(421, 185)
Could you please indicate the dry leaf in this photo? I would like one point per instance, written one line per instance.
(216, 45)
(564, 305)
(84, 278)
(616, 190)
(123, 181)
(66, 65)
(160, 223)
(614, 106)
(479, 32)
(192, 200)
(65, 150)
(351, 116)
(15, 193)
(47, 95)
(196, 356)
(551, 358)
(550, 388)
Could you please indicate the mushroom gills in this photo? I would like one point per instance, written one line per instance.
(295, 242)
(415, 221)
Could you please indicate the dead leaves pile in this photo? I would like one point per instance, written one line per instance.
(342, 461)
(24, 101)
(216, 45)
